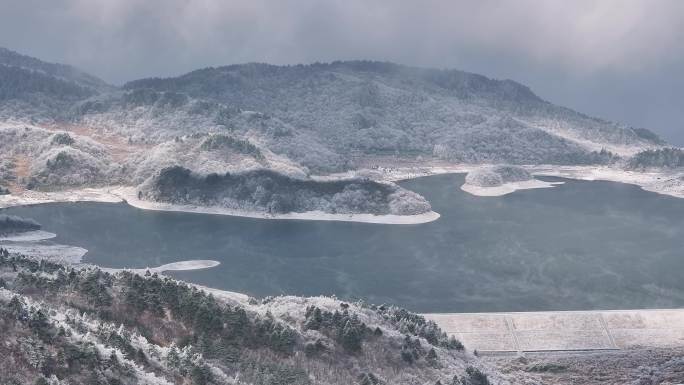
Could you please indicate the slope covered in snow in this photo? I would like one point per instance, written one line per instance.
(373, 108)
(87, 326)
(63, 129)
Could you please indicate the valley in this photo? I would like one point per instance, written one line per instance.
(265, 224)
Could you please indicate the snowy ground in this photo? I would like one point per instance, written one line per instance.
(52, 252)
(30, 243)
(30, 197)
(507, 188)
(666, 182)
(196, 264)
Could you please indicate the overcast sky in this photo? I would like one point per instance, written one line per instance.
(617, 59)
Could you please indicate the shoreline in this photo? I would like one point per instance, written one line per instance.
(28, 236)
(128, 196)
(70, 255)
(663, 182)
(670, 183)
(122, 194)
(29, 197)
(193, 264)
(507, 188)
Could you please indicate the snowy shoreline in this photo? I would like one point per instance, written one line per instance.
(507, 188)
(71, 255)
(129, 196)
(29, 197)
(669, 183)
(118, 194)
(28, 236)
(194, 264)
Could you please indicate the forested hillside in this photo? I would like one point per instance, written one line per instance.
(266, 191)
(85, 326)
(31, 88)
(660, 158)
(379, 108)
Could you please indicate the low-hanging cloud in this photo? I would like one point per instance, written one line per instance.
(549, 44)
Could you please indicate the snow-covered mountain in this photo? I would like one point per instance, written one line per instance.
(31, 88)
(60, 71)
(62, 127)
(371, 108)
(63, 325)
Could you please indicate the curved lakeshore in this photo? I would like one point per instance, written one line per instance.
(118, 194)
(128, 195)
(564, 331)
(520, 253)
(670, 183)
(664, 182)
(28, 236)
(195, 264)
(507, 188)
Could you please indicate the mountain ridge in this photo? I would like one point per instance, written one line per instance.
(464, 85)
(296, 120)
(13, 58)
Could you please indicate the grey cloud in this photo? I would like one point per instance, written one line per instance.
(610, 58)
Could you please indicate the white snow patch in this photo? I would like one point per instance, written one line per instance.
(28, 236)
(666, 182)
(557, 128)
(231, 297)
(196, 264)
(57, 253)
(37, 197)
(507, 188)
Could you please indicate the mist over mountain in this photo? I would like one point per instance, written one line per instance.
(311, 141)
(61, 71)
(375, 107)
(296, 120)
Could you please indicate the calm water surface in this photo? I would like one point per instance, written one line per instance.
(581, 245)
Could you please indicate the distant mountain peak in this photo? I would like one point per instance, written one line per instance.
(461, 83)
(57, 70)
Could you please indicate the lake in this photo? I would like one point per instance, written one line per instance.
(581, 245)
